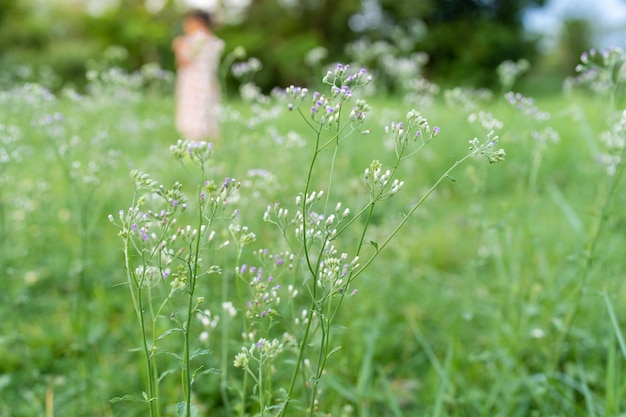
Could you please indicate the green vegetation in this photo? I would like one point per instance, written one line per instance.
(464, 39)
(501, 296)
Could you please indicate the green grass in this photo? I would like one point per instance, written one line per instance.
(464, 314)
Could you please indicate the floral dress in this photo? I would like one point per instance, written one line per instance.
(198, 88)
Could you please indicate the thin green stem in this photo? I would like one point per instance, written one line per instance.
(588, 257)
(410, 213)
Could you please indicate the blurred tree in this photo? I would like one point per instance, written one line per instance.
(467, 39)
(281, 32)
(145, 35)
(574, 39)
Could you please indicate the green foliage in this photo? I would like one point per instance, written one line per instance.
(502, 296)
(464, 39)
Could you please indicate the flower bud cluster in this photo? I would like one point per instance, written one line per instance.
(487, 148)
(526, 106)
(246, 69)
(174, 196)
(359, 111)
(241, 235)
(260, 352)
(265, 293)
(317, 226)
(219, 195)
(149, 276)
(324, 110)
(509, 71)
(416, 129)
(198, 151)
(340, 76)
(466, 99)
(486, 120)
(296, 96)
(335, 270)
(273, 261)
(601, 71)
(342, 93)
(376, 181)
(143, 180)
(614, 141)
(209, 322)
(545, 136)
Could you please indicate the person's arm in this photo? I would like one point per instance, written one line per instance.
(179, 46)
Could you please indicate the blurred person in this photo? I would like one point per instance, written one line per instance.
(197, 54)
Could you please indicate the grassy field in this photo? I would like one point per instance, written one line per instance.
(501, 296)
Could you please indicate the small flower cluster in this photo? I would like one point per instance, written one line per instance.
(487, 148)
(260, 352)
(174, 196)
(509, 71)
(246, 69)
(318, 226)
(241, 235)
(526, 105)
(545, 136)
(218, 196)
(315, 56)
(416, 130)
(198, 151)
(339, 77)
(149, 276)
(600, 71)
(420, 91)
(265, 293)
(296, 96)
(467, 99)
(116, 83)
(274, 260)
(614, 141)
(54, 125)
(10, 149)
(376, 181)
(208, 321)
(335, 270)
(486, 120)
(260, 180)
(359, 111)
(324, 110)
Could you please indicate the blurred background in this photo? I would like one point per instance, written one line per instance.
(54, 42)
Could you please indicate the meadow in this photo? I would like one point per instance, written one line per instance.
(500, 295)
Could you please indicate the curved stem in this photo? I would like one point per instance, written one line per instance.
(589, 252)
(410, 213)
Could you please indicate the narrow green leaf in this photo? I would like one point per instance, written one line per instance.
(200, 352)
(166, 373)
(168, 332)
(181, 410)
(175, 355)
(335, 349)
(126, 397)
(197, 374)
(374, 244)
